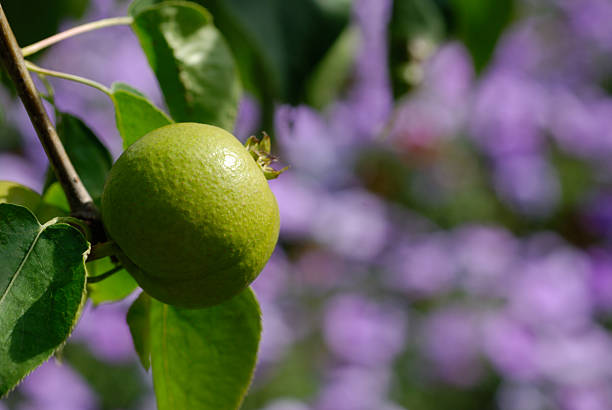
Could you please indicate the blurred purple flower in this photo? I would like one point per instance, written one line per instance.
(528, 183)
(596, 214)
(370, 100)
(552, 292)
(272, 281)
(352, 223)
(596, 397)
(56, 387)
(600, 279)
(590, 19)
(423, 268)
(247, 119)
(483, 256)
(320, 268)
(355, 388)
(509, 113)
(580, 359)
(522, 397)
(105, 331)
(17, 169)
(510, 347)
(276, 334)
(582, 126)
(451, 340)
(364, 332)
(298, 200)
(449, 75)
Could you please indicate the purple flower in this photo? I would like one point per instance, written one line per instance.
(590, 19)
(509, 113)
(17, 169)
(354, 388)
(528, 183)
(451, 341)
(510, 347)
(272, 281)
(320, 268)
(352, 223)
(484, 256)
(580, 359)
(276, 334)
(298, 199)
(600, 279)
(105, 331)
(423, 268)
(597, 397)
(247, 120)
(552, 292)
(56, 387)
(361, 331)
(522, 397)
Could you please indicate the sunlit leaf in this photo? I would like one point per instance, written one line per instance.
(204, 358)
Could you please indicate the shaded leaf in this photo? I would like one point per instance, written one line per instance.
(112, 289)
(204, 358)
(193, 64)
(42, 288)
(135, 114)
(89, 156)
(138, 319)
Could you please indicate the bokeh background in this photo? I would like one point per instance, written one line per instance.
(446, 220)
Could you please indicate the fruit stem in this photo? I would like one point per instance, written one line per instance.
(94, 25)
(99, 278)
(102, 250)
(81, 203)
(33, 67)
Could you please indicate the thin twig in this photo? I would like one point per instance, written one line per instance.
(79, 199)
(114, 21)
(102, 250)
(33, 67)
(99, 278)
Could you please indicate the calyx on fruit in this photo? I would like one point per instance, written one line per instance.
(192, 212)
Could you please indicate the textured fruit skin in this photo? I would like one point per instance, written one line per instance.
(193, 214)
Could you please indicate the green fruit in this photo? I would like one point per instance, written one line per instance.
(192, 213)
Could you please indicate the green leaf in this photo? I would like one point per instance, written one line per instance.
(112, 289)
(138, 319)
(14, 193)
(204, 358)
(193, 64)
(278, 43)
(135, 114)
(480, 24)
(42, 289)
(89, 156)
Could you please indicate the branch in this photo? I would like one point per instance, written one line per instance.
(80, 201)
(114, 21)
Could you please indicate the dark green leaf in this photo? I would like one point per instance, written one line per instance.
(42, 288)
(29, 27)
(89, 156)
(204, 358)
(480, 24)
(135, 114)
(193, 64)
(138, 319)
(112, 289)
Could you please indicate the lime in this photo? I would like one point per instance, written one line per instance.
(192, 212)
